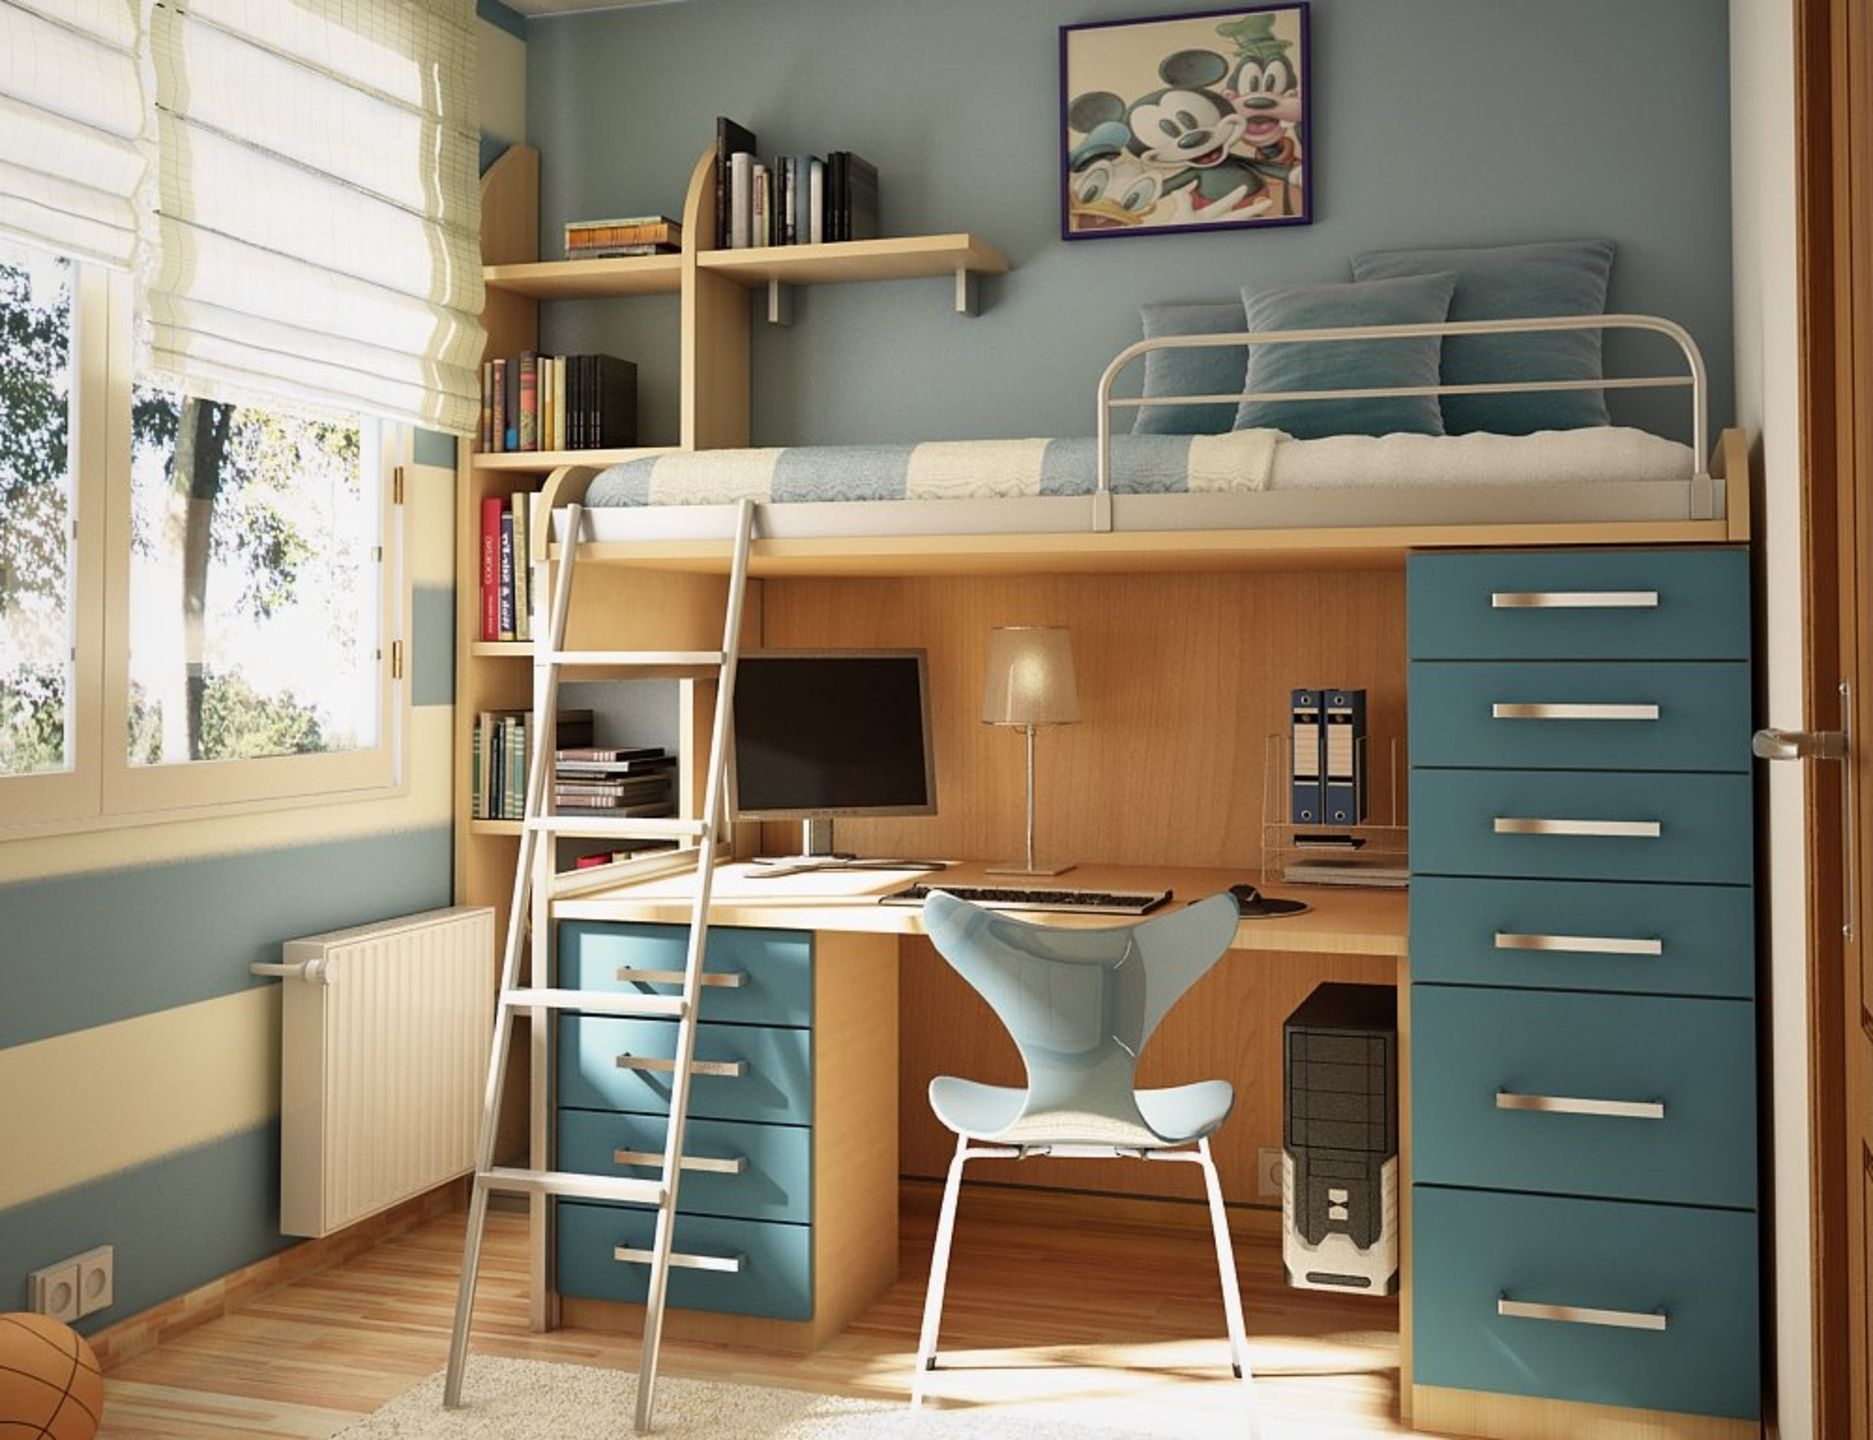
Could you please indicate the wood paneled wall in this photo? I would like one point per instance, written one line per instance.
(1182, 678)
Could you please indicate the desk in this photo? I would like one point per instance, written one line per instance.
(874, 972)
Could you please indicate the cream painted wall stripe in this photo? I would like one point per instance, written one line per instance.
(429, 525)
(428, 802)
(119, 1095)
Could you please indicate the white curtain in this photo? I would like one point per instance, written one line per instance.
(73, 125)
(317, 220)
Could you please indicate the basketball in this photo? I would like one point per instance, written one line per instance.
(50, 1384)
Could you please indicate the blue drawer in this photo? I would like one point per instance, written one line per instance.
(775, 1280)
(774, 968)
(1566, 934)
(775, 1182)
(1453, 609)
(774, 1085)
(1464, 822)
(1475, 1051)
(1473, 1250)
(1540, 716)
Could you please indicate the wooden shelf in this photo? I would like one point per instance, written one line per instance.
(499, 649)
(495, 827)
(539, 462)
(588, 279)
(902, 257)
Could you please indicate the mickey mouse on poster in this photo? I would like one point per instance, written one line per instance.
(1217, 152)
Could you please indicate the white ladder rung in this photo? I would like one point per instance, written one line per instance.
(576, 1187)
(598, 1002)
(620, 827)
(633, 659)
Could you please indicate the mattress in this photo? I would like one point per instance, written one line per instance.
(1241, 461)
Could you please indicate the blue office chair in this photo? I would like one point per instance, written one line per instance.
(1080, 1005)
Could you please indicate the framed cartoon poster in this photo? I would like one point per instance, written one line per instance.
(1179, 123)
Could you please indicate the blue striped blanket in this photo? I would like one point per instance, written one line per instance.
(941, 470)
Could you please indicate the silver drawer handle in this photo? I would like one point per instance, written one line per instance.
(1571, 1105)
(728, 1069)
(1582, 1314)
(726, 1264)
(1507, 710)
(725, 979)
(1628, 829)
(1580, 944)
(1574, 599)
(736, 1166)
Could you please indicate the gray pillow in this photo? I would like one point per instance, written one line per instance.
(1212, 370)
(1502, 282)
(1345, 364)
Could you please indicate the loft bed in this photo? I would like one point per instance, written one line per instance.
(1147, 501)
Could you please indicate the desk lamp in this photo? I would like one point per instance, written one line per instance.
(1030, 684)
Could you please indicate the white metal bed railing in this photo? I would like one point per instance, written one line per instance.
(1695, 379)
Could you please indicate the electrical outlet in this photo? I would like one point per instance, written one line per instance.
(1268, 1171)
(97, 1280)
(53, 1291)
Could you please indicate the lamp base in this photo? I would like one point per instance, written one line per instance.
(1015, 867)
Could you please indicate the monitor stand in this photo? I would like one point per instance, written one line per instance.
(817, 854)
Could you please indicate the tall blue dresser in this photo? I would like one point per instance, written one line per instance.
(1583, 1021)
(787, 1130)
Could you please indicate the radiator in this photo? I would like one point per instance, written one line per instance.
(385, 1032)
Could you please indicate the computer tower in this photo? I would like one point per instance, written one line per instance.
(1339, 1185)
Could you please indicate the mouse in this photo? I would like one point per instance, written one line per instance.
(1251, 904)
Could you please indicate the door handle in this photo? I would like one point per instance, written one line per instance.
(1574, 599)
(1575, 1105)
(1519, 710)
(1530, 825)
(1837, 745)
(1582, 1314)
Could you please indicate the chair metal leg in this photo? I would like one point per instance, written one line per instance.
(1226, 1263)
(939, 1274)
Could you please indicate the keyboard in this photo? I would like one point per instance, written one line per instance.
(1010, 897)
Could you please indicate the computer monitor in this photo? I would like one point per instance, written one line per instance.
(820, 733)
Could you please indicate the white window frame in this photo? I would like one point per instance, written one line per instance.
(101, 789)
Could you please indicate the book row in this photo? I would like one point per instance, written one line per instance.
(558, 402)
(629, 235)
(506, 599)
(794, 200)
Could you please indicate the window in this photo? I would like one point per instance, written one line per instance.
(197, 599)
(38, 513)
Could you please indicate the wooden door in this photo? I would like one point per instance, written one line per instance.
(1834, 85)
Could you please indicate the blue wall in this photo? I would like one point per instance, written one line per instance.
(1438, 121)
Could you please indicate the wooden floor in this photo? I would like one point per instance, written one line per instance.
(1101, 1317)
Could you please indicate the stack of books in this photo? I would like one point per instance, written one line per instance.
(633, 780)
(558, 402)
(628, 235)
(499, 758)
(506, 598)
(795, 200)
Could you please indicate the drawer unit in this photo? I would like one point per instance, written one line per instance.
(737, 1169)
(769, 1266)
(1647, 1306)
(746, 1072)
(1624, 604)
(1584, 935)
(1544, 824)
(1624, 1096)
(755, 977)
(1569, 715)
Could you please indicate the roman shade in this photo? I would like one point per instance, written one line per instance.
(317, 207)
(73, 125)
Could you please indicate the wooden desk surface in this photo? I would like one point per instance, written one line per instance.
(1342, 922)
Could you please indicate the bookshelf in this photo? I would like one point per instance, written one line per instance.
(620, 607)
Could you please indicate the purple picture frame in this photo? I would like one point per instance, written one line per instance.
(1120, 154)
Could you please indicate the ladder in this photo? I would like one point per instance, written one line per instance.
(532, 901)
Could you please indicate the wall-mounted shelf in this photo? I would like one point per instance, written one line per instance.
(588, 279)
(900, 257)
(541, 461)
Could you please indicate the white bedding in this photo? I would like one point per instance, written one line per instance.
(1612, 453)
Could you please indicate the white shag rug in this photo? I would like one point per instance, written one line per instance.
(542, 1400)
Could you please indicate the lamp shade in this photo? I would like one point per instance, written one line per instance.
(1030, 677)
